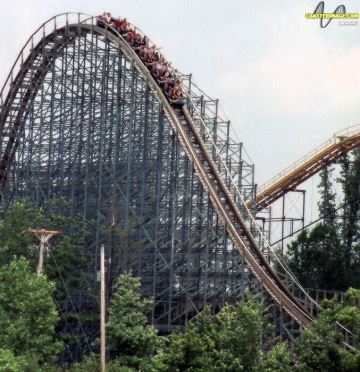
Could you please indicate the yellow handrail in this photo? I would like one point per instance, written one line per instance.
(338, 137)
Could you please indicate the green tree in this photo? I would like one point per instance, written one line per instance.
(131, 339)
(319, 345)
(316, 257)
(191, 349)
(278, 359)
(327, 204)
(350, 229)
(67, 256)
(91, 363)
(328, 256)
(14, 239)
(346, 312)
(67, 264)
(10, 363)
(228, 341)
(27, 313)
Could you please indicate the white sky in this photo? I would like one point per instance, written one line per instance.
(285, 83)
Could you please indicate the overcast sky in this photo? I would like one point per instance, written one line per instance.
(285, 83)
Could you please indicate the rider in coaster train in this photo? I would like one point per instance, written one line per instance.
(158, 66)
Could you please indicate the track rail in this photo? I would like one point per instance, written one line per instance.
(235, 224)
(328, 152)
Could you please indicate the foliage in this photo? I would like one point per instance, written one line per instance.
(68, 255)
(27, 313)
(10, 363)
(350, 229)
(91, 363)
(278, 359)
(316, 257)
(65, 263)
(319, 346)
(327, 207)
(347, 313)
(14, 239)
(228, 341)
(352, 297)
(328, 256)
(131, 339)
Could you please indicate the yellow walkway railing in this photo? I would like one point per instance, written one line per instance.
(295, 174)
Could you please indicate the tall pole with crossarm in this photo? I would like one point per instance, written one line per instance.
(44, 236)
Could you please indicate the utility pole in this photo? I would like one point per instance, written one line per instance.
(102, 309)
(44, 236)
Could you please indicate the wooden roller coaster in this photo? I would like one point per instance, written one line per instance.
(240, 224)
